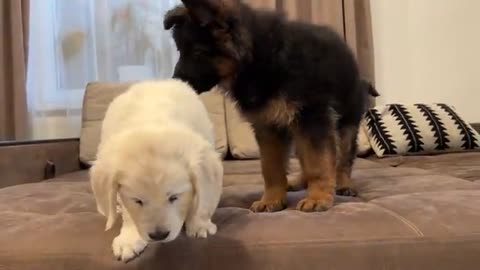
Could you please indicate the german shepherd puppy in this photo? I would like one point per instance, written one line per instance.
(294, 82)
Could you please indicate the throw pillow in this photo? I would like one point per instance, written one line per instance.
(399, 129)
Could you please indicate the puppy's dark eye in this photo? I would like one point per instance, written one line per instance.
(138, 201)
(173, 198)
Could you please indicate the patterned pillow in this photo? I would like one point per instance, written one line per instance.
(397, 129)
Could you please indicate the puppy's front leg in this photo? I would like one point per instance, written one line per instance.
(274, 147)
(207, 179)
(199, 227)
(198, 223)
(128, 244)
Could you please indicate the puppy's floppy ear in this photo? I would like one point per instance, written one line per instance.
(105, 187)
(176, 16)
(211, 12)
(206, 173)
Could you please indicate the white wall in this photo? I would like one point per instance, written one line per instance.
(428, 51)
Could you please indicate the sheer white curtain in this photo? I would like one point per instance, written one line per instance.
(73, 42)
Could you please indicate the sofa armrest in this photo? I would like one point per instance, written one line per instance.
(35, 161)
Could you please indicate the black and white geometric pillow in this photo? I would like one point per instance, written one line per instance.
(397, 129)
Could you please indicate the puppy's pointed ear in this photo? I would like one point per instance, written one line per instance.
(213, 13)
(176, 16)
(206, 173)
(105, 188)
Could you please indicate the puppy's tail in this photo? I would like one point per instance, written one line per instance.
(367, 86)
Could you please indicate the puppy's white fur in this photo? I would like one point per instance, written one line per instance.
(157, 160)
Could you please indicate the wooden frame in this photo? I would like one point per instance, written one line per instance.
(34, 161)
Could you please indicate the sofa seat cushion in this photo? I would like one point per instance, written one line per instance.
(403, 219)
(461, 165)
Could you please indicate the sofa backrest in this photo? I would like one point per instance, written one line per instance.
(98, 96)
(233, 133)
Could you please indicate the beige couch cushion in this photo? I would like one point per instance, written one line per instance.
(98, 96)
(241, 139)
(362, 139)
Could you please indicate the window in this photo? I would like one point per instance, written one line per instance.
(77, 41)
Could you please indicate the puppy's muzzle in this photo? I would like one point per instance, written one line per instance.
(158, 235)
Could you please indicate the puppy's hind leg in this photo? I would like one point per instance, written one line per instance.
(315, 139)
(347, 150)
(128, 244)
(317, 159)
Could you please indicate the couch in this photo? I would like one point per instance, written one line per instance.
(420, 212)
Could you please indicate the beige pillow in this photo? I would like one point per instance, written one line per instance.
(215, 103)
(364, 146)
(241, 139)
(98, 96)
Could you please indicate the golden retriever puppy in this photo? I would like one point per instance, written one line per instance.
(157, 161)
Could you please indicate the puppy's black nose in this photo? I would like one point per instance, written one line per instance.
(158, 235)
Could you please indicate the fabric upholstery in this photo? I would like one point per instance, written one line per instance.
(241, 139)
(461, 165)
(98, 96)
(405, 218)
(363, 143)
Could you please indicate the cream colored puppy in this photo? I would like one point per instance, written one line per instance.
(157, 160)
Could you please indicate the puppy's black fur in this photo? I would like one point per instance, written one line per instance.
(294, 82)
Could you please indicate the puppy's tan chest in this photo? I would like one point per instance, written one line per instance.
(278, 111)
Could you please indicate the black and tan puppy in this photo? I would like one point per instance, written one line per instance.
(294, 82)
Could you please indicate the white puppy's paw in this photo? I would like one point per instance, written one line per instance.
(127, 246)
(201, 228)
